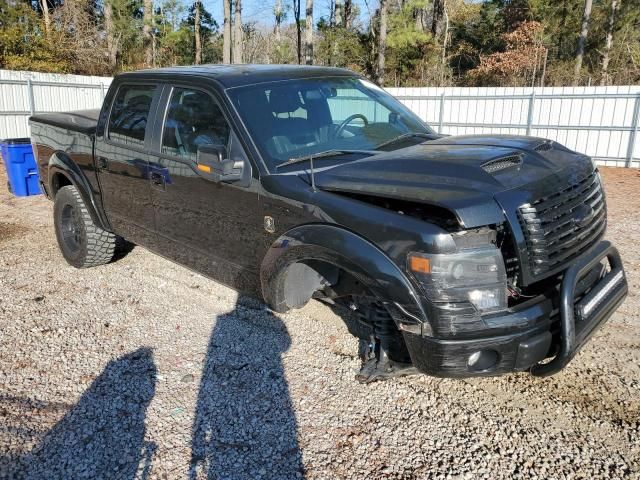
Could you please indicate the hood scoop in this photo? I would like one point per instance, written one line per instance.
(498, 164)
(544, 146)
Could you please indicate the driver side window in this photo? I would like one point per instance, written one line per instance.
(193, 119)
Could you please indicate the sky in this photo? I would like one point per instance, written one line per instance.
(261, 11)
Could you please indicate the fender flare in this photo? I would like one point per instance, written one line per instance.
(349, 251)
(60, 163)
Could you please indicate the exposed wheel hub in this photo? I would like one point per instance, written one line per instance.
(381, 348)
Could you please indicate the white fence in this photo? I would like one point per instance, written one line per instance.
(600, 121)
(24, 93)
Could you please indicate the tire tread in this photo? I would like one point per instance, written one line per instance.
(100, 244)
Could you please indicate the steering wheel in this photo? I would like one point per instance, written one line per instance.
(347, 121)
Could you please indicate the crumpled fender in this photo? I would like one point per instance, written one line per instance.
(61, 163)
(349, 251)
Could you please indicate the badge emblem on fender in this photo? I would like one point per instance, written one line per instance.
(269, 224)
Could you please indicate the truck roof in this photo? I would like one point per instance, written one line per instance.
(240, 75)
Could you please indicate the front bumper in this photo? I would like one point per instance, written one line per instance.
(558, 332)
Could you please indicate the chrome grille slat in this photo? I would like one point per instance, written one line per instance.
(562, 208)
(570, 254)
(572, 241)
(557, 232)
(553, 228)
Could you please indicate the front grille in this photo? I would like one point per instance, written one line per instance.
(559, 227)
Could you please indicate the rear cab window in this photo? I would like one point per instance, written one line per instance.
(130, 114)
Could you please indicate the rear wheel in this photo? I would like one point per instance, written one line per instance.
(83, 244)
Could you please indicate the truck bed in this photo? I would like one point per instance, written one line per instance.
(68, 135)
(82, 121)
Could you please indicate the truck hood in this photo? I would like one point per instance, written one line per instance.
(461, 173)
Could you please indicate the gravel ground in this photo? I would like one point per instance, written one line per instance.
(143, 369)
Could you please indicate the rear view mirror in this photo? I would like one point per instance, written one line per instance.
(212, 164)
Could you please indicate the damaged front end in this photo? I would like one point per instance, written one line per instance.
(501, 239)
(485, 313)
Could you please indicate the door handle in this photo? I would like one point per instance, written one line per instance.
(103, 163)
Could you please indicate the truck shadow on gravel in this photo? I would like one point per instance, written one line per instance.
(102, 436)
(244, 425)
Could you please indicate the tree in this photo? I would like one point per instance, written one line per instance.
(438, 13)
(279, 16)
(338, 13)
(347, 14)
(518, 64)
(112, 41)
(196, 31)
(341, 47)
(237, 32)
(177, 44)
(382, 41)
(308, 44)
(604, 79)
(45, 13)
(296, 15)
(584, 31)
(147, 34)
(406, 42)
(226, 38)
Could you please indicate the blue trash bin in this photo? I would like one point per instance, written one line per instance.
(20, 164)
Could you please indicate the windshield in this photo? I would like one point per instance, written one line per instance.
(299, 118)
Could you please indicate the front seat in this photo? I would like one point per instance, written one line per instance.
(208, 124)
(289, 133)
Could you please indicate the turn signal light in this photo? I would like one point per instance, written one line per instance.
(204, 168)
(419, 264)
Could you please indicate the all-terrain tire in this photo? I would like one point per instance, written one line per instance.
(83, 244)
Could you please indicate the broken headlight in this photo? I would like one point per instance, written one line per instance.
(474, 275)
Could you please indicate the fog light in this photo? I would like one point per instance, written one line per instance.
(482, 360)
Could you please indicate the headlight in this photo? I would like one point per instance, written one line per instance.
(476, 276)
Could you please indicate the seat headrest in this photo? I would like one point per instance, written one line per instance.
(284, 100)
(140, 103)
(192, 100)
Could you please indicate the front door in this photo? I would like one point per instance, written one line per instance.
(213, 227)
(122, 163)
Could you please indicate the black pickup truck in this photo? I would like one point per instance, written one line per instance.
(449, 255)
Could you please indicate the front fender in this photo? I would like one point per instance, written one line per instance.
(60, 163)
(351, 252)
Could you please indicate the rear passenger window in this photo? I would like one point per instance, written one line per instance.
(129, 114)
(193, 119)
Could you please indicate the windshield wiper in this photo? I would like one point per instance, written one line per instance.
(324, 154)
(402, 137)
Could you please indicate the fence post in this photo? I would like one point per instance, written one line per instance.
(532, 100)
(102, 89)
(634, 130)
(441, 116)
(32, 106)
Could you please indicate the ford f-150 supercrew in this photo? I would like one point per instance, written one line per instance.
(453, 256)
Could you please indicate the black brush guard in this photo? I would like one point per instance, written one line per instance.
(578, 321)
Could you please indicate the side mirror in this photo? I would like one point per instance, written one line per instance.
(212, 164)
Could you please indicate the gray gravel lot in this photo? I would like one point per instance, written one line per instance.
(144, 369)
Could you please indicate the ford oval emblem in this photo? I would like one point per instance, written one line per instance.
(582, 216)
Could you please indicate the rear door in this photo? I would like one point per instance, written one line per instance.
(122, 161)
(211, 226)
